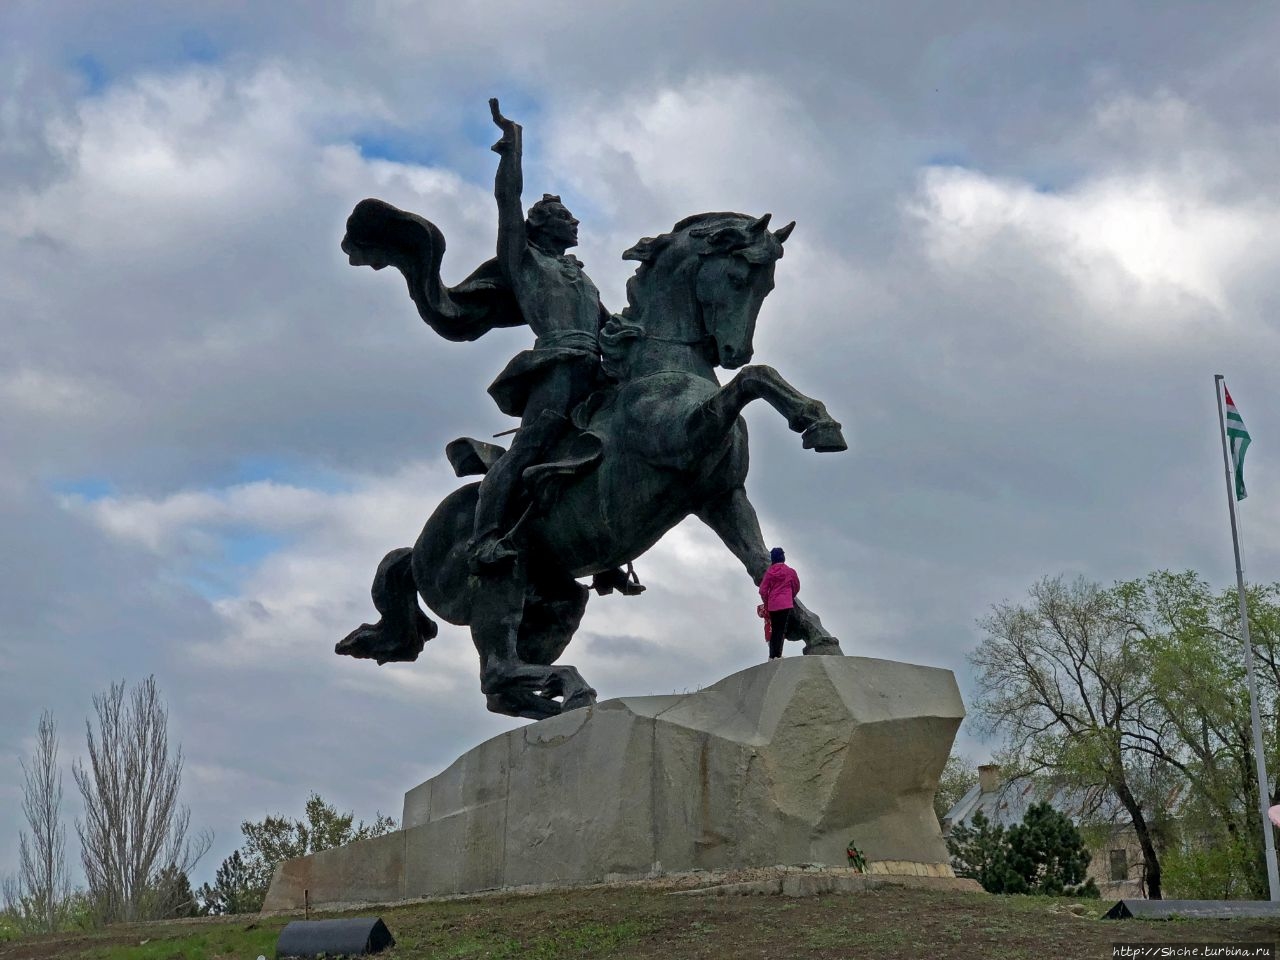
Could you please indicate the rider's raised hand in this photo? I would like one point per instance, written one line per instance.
(510, 129)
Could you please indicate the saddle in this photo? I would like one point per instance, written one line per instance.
(577, 453)
(472, 458)
(580, 455)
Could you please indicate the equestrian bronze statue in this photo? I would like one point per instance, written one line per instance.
(624, 431)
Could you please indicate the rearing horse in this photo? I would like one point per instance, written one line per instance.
(665, 442)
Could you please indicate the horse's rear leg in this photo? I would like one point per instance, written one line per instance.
(734, 520)
(553, 610)
(512, 684)
(403, 629)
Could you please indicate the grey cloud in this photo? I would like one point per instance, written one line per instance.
(621, 645)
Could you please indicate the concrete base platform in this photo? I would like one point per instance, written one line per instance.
(1141, 909)
(785, 763)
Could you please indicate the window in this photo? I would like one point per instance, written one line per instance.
(1119, 865)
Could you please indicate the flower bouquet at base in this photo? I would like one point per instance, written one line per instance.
(857, 859)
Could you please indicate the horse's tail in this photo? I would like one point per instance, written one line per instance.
(403, 629)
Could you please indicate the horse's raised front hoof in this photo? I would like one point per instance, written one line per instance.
(823, 647)
(824, 436)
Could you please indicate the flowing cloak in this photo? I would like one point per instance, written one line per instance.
(380, 235)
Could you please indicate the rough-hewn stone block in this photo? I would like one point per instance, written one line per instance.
(783, 763)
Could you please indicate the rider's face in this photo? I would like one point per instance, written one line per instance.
(560, 226)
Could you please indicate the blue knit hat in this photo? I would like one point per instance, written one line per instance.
(776, 555)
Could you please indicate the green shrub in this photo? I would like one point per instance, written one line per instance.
(1212, 868)
(1042, 855)
(978, 851)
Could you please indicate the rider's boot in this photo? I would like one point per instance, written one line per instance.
(624, 581)
(491, 547)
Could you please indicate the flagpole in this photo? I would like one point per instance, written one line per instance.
(1268, 836)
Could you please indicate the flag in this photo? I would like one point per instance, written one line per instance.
(1239, 438)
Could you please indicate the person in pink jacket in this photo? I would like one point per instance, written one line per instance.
(778, 590)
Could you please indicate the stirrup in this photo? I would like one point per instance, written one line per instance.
(631, 586)
(628, 584)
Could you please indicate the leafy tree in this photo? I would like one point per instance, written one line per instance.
(958, 778)
(1138, 692)
(1190, 638)
(1068, 685)
(241, 882)
(233, 889)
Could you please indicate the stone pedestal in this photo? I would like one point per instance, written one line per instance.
(784, 763)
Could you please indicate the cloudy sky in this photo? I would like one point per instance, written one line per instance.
(1029, 235)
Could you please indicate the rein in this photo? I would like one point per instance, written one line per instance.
(683, 343)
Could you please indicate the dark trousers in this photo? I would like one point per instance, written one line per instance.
(778, 620)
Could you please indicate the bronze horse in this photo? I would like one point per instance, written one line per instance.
(662, 442)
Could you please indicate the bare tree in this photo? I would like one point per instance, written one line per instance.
(38, 896)
(134, 836)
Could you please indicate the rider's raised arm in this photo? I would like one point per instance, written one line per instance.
(507, 188)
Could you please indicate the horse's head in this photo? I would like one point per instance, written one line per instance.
(735, 277)
(727, 259)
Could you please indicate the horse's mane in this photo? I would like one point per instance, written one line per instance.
(719, 233)
(702, 234)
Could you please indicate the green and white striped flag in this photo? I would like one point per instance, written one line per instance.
(1239, 438)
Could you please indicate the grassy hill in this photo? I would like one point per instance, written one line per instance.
(650, 922)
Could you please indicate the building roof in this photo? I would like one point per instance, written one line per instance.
(1007, 804)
